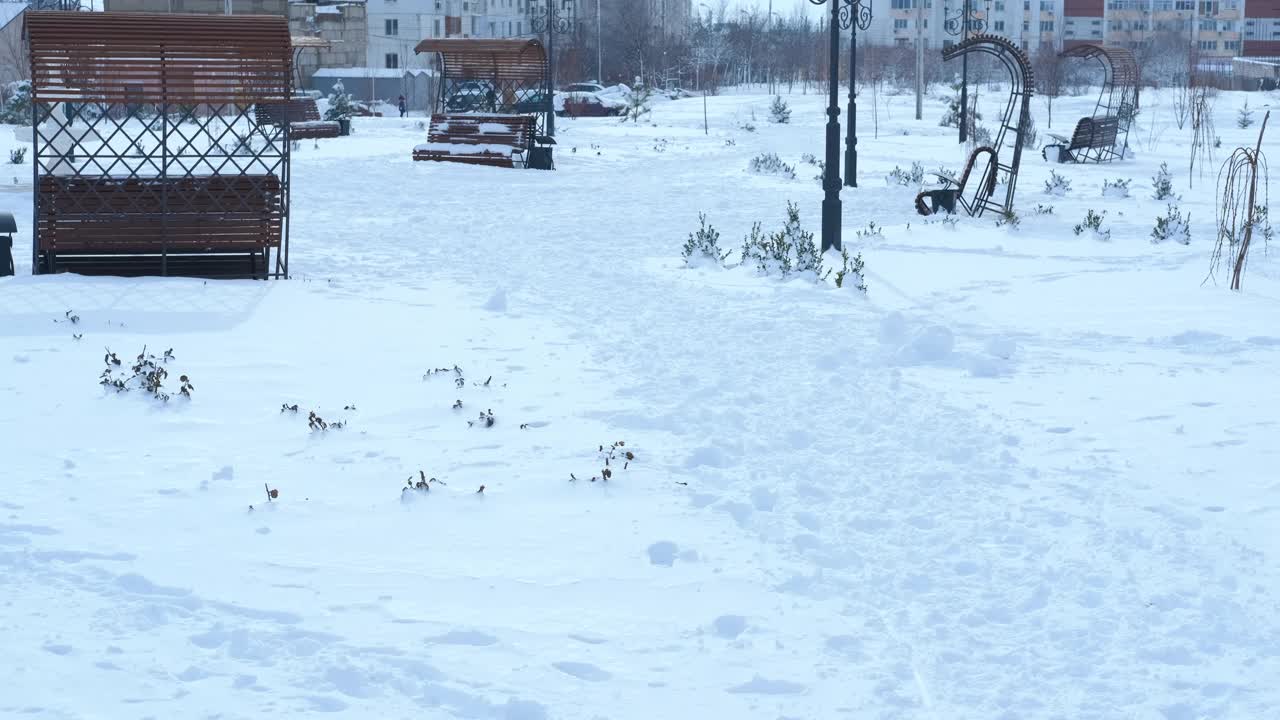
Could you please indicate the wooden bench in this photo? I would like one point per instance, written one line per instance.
(303, 116)
(1091, 134)
(498, 140)
(101, 222)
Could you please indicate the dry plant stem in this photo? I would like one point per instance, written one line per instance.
(1238, 270)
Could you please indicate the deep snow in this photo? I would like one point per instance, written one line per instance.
(1029, 475)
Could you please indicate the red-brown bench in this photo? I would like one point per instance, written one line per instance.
(151, 223)
(303, 116)
(498, 140)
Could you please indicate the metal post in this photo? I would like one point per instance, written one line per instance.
(919, 59)
(599, 47)
(555, 21)
(551, 73)
(831, 210)
(861, 17)
(962, 24)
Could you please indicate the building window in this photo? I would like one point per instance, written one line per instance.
(493, 29)
(452, 26)
(899, 24)
(393, 61)
(392, 27)
(1046, 26)
(998, 25)
(1046, 5)
(1208, 44)
(1184, 5)
(901, 4)
(438, 6)
(473, 26)
(1026, 26)
(435, 29)
(1208, 7)
(1230, 44)
(999, 7)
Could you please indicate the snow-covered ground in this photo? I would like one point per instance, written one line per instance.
(1029, 475)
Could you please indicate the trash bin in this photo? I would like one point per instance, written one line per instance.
(344, 126)
(7, 228)
(540, 158)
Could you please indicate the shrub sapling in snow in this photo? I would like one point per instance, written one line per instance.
(317, 423)
(871, 231)
(17, 109)
(907, 178)
(17, 156)
(1162, 183)
(1244, 117)
(771, 164)
(703, 245)
(1056, 184)
(637, 104)
(851, 268)
(1044, 209)
(809, 159)
(609, 456)
(1173, 226)
(148, 373)
(778, 111)
(1093, 222)
(339, 104)
(1008, 219)
(1117, 189)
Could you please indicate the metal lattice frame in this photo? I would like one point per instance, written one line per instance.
(507, 77)
(1118, 99)
(147, 155)
(1008, 139)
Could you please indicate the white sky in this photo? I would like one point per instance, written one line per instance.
(785, 8)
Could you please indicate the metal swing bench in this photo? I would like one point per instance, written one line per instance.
(148, 157)
(975, 196)
(492, 105)
(1103, 137)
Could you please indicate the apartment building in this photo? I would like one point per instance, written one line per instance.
(397, 26)
(1029, 23)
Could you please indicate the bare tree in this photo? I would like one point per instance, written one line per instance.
(1049, 71)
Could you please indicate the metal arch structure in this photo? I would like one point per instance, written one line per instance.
(493, 76)
(1004, 156)
(1118, 99)
(148, 158)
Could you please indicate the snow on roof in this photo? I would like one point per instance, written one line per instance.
(361, 72)
(328, 10)
(9, 11)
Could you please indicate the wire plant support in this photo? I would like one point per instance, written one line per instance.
(147, 156)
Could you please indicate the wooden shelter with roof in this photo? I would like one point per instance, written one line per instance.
(495, 96)
(148, 157)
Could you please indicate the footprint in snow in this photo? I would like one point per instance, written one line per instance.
(663, 553)
(583, 671)
(764, 686)
(730, 626)
(464, 637)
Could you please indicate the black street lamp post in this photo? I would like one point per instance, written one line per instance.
(861, 18)
(962, 23)
(841, 17)
(555, 17)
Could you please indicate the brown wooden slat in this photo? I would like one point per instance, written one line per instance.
(500, 60)
(159, 58)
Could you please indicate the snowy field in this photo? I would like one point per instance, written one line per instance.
(1030, 474)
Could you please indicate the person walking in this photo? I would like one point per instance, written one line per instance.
(404, 106)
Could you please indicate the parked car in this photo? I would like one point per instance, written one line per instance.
(531, 103)
(584, 104)
(586, 87)
(470, 95)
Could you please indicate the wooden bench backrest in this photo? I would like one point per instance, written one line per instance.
(303, 109)
(515, 131)
(1095, 132)
(79, 214)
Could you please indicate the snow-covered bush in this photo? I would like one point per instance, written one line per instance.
(1056, 184)
(907, 178)
(1162, 183)
(703, 245)
(17, 106)
(771, 164)
(339, 104)
(17, 156)
(1008, 219)
(637, 104)
(981, 136)
(1117, 189)
(952, 117)
(871, 231)
(1093, 222)
(809, 159)
(1044, 209)
(1030, 138)
(1173, 226)
(789, 250)
(778, 111)
(747, 126)
(851, 269)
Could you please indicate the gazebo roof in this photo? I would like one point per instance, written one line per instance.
(160, 58)
(467, 59)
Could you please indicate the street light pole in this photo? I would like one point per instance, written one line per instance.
(861, 18)
(961, 24)
(841, 17)
(553, 21)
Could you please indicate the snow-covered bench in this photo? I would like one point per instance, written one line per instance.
(303, 117)
(479, 139)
